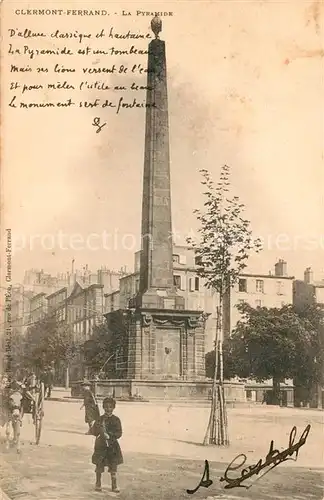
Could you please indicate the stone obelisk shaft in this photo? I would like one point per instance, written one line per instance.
(156, 271)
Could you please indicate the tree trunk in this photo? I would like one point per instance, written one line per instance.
(319, 396)
(276, 391)
(213, 408)
(67, 377)
(217, 429)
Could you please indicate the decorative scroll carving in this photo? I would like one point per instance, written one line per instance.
(170, 321)
(193, 322)
(147, 319)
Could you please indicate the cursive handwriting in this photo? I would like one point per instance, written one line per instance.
(205, 483)
(96, 123)
(273, 458)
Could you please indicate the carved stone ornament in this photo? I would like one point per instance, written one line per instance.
(193, 322)
(175, 322)
(147, 319)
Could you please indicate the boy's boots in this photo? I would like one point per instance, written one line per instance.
(98, 482)
(114, 484)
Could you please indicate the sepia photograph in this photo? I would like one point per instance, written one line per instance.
(162, 271)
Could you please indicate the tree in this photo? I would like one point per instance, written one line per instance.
(273, 343)
(97, 349)
(230, 363)
(48, 341)
(222, 253)
(16, 352)
(108, 343)
(309, 380)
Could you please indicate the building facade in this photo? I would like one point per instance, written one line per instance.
(308, 291)
(38, 307)
(258, 290)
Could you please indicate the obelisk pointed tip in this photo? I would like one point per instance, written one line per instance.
(156, 25)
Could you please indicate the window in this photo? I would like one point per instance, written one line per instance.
(177, 281)
(198, 261)
(182, 259)
(192, 284)
(258, 303)
(241, 301)
(196, 283)
(279, 287)
(260, 286)
(242, 285)
(176, 258)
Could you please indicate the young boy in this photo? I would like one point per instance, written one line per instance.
(107, 452)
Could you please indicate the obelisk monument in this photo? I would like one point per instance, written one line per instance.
(166, 342)
(156, 268)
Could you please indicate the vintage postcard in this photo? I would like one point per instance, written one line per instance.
(162, 281)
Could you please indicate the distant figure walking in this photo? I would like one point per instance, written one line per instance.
(265, 397)
(47, 377)
(107, 452)
(90, 405)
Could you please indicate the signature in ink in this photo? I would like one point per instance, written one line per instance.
(205, 482)
(273, 458)
(96, 123)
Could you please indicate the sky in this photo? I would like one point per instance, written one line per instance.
(245, 88)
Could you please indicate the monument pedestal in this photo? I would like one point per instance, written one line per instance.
(185, 391)
(166, 345)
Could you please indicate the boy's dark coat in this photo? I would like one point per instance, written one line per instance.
(103, 455)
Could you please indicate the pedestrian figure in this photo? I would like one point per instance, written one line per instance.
(265, 397)
(107, 452)
(47, 379)
(90, 405)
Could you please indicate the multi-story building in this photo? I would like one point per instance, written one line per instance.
(39, 281)
(20, 309)
(258, 290)
(308, 291)
(77, 308)
(37, 307)
(85, 308)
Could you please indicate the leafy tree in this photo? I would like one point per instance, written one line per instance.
(48, 341)
(309, 379)
(108, 341)
(274, 343)
(229, 363)
(222, 251)
(16, 352)
(97, 348)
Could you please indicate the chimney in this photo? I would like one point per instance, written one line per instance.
(281, 268)
(308, 275)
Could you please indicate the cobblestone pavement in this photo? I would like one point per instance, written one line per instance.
(163, 455)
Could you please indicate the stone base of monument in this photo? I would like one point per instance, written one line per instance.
(167, 390)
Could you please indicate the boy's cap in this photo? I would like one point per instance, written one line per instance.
(109, 400)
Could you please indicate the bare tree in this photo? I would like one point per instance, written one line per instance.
(222, 253)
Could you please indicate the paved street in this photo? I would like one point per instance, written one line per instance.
(163, 455)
